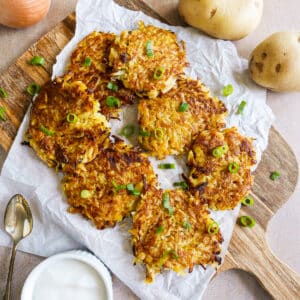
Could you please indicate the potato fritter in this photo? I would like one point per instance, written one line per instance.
(221, 164)
(65, 126)
(89, 64)
(169, 122)
(148, 60)
(107, 189)
(170, 231)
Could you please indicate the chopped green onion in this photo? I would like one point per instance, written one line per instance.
(241, 107)
(174, 254)
(33, 89)
(219, 151)
(149, 49)
(227, 90)
(181, 184)
(127, 131)
(135, 193)
(159, 133)
(130, 187)
(3, 93)
(144, 133)
(275, 175)
(72, 118)
(248, 201)
(37, 61)
(247, 221)
(233, 167)
(112, 86)
(213, 228)
(186, 225)
(87, 62)
(159, 73)
(183, 107)
(85, 194)
(2, 113)
(47, 131)
(112, 101)
(159, 229)
(166, 203)
(118, 187)
(166, 166)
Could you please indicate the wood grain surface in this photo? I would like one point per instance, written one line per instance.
(248, 249)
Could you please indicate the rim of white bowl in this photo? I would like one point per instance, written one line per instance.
(80, 255)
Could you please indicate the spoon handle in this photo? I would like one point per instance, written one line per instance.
(10, 272)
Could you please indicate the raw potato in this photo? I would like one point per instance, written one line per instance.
(275, 63)
(224, 19)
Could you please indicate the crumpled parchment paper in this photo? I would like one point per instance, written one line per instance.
(216, 63)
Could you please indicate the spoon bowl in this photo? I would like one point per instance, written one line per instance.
(18, 224)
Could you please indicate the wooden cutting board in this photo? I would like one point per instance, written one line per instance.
(248, 249)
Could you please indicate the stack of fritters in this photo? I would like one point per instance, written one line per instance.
(106, 180)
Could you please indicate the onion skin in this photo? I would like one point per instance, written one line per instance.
(22, 13)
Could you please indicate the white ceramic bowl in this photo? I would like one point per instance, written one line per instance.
(78, 255)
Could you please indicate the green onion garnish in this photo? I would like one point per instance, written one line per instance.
(144, 133)
(183, 107)
(149, 49)
(159, 229)
(166, 166)
(186, 225)
(37, 61)
(72, 118)
(247, 221)
(87, 62)
(85, 194)
(2, 113)
(275, 175)
(118, 187)
(33, 89)
(213, 228)
(233, 167)
(3, 93)
(241, 107)
(159, 73)
(135, 193)
(127, 131)
(112, 101)
(248, 201)
(47, 131)
(227, 90)
(130, 187)
(112, 86)
(166, 203)
(174, 254)
(181, 184)
(159, 133)
(219, 151)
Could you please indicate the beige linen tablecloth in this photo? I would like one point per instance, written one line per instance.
(233, 285)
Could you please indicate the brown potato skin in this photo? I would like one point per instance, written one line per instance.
(275, 62)
(226, 19)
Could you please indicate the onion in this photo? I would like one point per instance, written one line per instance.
(22, 13)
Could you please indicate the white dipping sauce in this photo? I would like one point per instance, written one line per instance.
(69, 279)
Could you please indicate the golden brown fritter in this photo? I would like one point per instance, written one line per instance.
(65, 126)
(89, 64)
(148, 60)
(221, 164)
(107, 189)
(170, 231)
(165, 130)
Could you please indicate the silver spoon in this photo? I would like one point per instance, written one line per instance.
(18, 224)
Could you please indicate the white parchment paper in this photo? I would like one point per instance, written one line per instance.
(216, 63)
